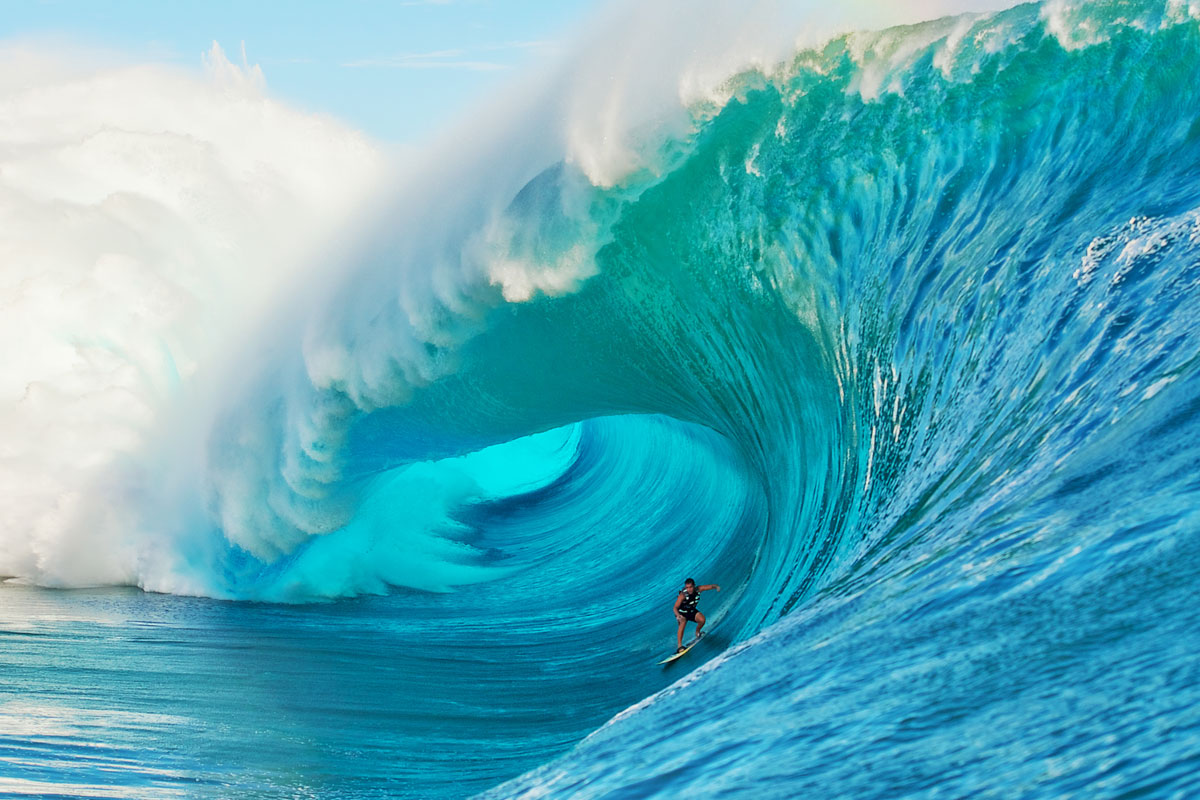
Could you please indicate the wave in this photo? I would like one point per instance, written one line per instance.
(955, 260)
(886, 334)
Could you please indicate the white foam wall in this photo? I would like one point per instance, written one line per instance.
(145, 216)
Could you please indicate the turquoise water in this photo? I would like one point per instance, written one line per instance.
(897, 344)
(116, 692)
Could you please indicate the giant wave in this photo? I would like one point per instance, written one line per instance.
(892, 338)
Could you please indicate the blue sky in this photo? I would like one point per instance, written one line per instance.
(395, 69)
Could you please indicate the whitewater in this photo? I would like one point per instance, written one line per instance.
(331, 472)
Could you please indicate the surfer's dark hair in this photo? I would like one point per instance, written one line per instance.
(689, 580)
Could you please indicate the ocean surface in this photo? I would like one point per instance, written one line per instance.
(896, 339)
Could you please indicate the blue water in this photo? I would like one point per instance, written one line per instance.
(898, 345)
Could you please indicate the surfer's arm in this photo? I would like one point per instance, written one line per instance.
(704, 588)
(678, 600)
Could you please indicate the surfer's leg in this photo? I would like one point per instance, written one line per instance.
(682, 625)
(699, 622)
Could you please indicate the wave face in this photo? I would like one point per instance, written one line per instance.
(895, 342)
(938, 285)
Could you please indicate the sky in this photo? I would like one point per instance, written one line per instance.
(396, 69)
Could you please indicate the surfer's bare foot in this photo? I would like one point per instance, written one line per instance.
(680, 649)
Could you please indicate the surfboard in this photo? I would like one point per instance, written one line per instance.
(686, 647)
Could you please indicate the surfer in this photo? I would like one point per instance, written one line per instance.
(685, 608)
